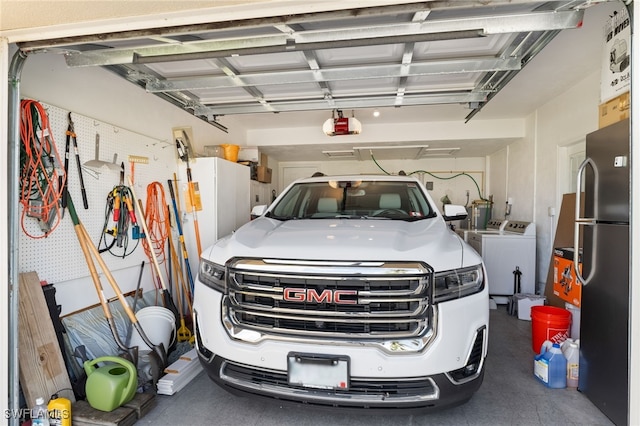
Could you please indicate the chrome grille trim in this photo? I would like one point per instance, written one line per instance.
(391, 300)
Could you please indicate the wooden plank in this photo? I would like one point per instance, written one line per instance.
(142, 403)
(42, 368)
(190, 356)
(169, 385)
(84, 415)
(180, 373)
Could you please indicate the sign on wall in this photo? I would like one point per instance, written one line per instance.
(615, 74)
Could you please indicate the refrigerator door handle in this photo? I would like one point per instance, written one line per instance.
(583, 221)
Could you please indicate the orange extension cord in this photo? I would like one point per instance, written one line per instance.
(41, 183)
(156, 217)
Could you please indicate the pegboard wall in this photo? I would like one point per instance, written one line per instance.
(59, 257)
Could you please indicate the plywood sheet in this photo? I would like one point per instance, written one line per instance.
(42, 368)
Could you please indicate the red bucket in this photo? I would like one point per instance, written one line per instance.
(549, 323)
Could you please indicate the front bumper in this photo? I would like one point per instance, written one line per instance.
(415, 393)
(411, 393)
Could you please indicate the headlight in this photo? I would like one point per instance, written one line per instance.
(458, 283)
(213, 275)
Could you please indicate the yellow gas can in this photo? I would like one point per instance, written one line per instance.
(59, 412)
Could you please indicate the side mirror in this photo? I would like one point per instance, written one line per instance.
(258, 211)
(454, 212)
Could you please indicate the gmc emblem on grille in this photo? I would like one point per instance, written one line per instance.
(312, 295)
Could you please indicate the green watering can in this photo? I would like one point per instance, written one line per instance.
(112, 385)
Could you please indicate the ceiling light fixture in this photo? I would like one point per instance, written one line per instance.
(340, 153)
(376, 113)
(341, 125)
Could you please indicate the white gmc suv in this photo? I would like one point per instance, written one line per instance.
(348, 291)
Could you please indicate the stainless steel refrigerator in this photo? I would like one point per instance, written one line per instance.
(604, 319)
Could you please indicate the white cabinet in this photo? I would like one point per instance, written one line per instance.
(224, 193)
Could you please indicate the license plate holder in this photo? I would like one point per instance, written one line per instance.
(318, 371)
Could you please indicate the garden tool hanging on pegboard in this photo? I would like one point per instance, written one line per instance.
(71, 137)
(120, 223)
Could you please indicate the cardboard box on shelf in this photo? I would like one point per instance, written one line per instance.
(264, 174)
(614, 110)
(253, 172)
(565, 284)
(264, 160)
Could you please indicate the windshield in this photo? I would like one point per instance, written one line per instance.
(353, 200)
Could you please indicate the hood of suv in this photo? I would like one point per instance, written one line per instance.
(427, 240)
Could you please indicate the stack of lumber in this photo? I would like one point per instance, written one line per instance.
(180, 373)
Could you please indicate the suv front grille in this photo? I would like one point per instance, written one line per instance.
(337, 299)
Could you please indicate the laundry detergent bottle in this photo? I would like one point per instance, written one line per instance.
(550, 367)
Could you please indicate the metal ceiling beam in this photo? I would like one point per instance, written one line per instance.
(318, 75)
(350, 103)
(315, 75)
(232, 74)
(239, 47)
(335, 38)
(208, 26)
(407, 59)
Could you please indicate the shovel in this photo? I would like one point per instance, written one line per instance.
(89, 250)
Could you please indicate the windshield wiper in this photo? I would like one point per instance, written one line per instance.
(282, 218)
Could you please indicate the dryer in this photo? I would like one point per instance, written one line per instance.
(506, 253)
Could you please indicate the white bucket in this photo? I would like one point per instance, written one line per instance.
(575, 320)
(158, 323)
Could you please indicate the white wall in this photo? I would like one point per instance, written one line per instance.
(414, 132)
(497, 171)
(527, 170)
(563, 121)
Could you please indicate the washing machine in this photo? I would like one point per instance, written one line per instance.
(509, 256)
(494, 226)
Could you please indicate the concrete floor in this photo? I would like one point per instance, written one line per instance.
(509, 395)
